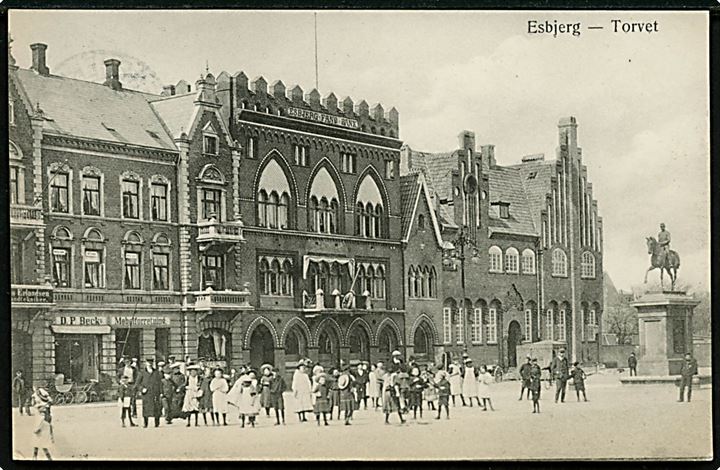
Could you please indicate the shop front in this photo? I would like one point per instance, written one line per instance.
(89, 346)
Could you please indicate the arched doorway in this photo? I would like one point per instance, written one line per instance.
(329, 348)
(514, 338)
(359, 343)
(262, 347)
(295, 345)
(423, 344)
(387, 342)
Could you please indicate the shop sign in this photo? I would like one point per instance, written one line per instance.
(139, 322)
(31, 295)
(322, 118)
(80, 320)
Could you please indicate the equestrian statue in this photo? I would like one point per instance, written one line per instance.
(661, 256)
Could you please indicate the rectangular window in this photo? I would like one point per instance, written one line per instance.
(14, 185)
(210, 144)
(495, 262)
(447, 325)
(61, 267)
(549, 325)
(390, 169)
(161, 273)
(94, 269)
(132, 270)
(504, 211)
(528, 262)
(491, 327)
(511, 262)
(592, 325)
(130, 198)
(459, 323)
(59, 192)
(301, 155)
(158, 201)
(91, 195)
(213, 272)
(252, 147)
(562, 333)
(582, 324)
(527, 336)
(211, 200)
(11, 112)
(476, 332)
(348, 162)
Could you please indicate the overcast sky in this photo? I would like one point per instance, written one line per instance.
(641, 99)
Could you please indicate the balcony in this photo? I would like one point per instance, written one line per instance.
(117, 298)
(210, 300)
(213, 231)
(26, 216)
(31, 295)
(338, 303)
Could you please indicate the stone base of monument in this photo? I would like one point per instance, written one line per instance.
(700, 381)
(665, 331)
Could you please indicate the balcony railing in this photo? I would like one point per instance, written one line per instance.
(116, 297)
(28, 216)
(223, 299)
(31, 294)
(337, 302)
(223, 232)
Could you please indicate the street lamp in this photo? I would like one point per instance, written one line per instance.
(460, 242)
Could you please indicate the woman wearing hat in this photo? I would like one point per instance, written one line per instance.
(347, 397)
(390, 397)
(248, 400)
(42, 437)
(219, 389)
(301, 388)
(193, 392)
(264, 385)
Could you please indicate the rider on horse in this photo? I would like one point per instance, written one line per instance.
(664, 241)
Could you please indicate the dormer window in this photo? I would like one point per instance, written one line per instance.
(503, 209)
(210, 140)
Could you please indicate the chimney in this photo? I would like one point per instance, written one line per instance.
(38, 58)
(466, 140)
(112, 74)
(567, 132)
(168, 90)
(488, 156)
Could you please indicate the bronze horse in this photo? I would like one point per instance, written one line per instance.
(658, 259)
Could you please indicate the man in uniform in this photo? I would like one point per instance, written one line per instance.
(560, 371)
(525, 377)
(664, 241)
(688, 370)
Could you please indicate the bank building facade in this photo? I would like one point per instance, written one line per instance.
(242, 221)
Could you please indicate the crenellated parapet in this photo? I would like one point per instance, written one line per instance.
(294, 102)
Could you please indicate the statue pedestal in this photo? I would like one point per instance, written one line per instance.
(665, 327)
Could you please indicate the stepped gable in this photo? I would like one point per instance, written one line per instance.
(506, 185)
(536, 178)
(91, 110)
(409, 187)
(255, 96)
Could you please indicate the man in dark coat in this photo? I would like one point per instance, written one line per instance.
(149, 385)
(361, 382)
(632, 364)
(525, 378)
(179, 380)
(167, 396)
(21, 392)
(560, 371)
(688, 370)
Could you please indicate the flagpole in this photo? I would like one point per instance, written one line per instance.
(317, 86)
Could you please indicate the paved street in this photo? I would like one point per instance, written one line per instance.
(617, 422)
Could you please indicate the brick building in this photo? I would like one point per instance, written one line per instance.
(247, 223)
(531, 240)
